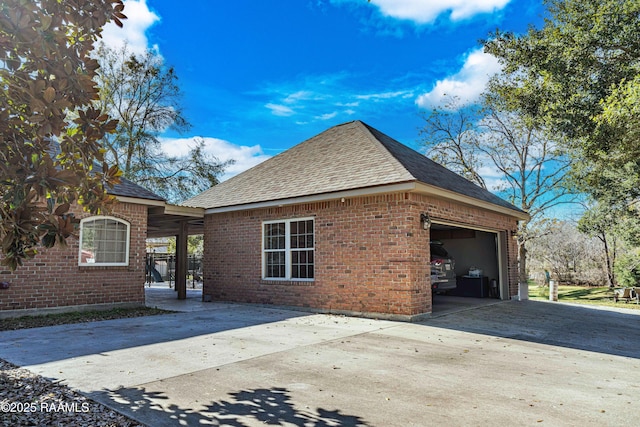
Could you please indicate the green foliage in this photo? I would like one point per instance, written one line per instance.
(617, 226)
(628, 269)
(195, 245)
(46, 154)
(579, 73)
(143, 94)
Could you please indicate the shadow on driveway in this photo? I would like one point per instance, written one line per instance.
(270, 406)
(608, 331)
(49, 344)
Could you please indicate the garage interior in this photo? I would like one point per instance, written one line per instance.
(480, 266)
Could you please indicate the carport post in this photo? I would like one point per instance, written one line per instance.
(181, 260)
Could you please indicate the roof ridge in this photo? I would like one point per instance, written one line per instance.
(385, 150)
(345, 157)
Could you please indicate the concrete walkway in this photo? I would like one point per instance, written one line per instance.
(162, 295)
(512, 363)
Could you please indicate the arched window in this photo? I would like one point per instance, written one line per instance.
(104, 240)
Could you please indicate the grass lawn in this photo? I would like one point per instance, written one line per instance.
(581, 295)
(76, 317)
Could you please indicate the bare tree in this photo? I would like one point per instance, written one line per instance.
(451, 138)
(570, 255)
(143, 94)
(530, 165)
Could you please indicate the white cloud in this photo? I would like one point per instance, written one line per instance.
(467, 84)
(280, 110)
(333, 97)
(301, 95)
(426, 11)
(348, 104)
(384, 95)
(245, 157)
(327, 116)
(139, 20)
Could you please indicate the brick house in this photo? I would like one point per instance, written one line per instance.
(105, 266)
(342, 223)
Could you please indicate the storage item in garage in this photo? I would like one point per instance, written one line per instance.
(475, 287)
(475, 272)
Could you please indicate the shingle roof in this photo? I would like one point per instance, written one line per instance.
(345, 157)
(128, 188)
(125, 188)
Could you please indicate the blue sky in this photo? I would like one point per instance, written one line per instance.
(261, 76)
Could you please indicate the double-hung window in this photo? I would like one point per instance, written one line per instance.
(288, 249)
(104, 241)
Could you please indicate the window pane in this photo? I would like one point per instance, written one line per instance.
(303, 237)
(275, 264)
(302, 264)
(104, 240)
(274, 235)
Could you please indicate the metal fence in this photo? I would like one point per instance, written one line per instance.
(161, 268)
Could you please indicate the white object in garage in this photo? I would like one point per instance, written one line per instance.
(475, 272)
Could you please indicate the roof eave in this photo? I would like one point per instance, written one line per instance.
(140, 201)
(411, 186)
(323, 197)
(432, 190)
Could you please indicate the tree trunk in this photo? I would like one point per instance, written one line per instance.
(608, 261)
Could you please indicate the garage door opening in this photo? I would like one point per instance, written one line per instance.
(479, 266)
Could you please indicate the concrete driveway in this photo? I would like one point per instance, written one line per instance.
(512, 363)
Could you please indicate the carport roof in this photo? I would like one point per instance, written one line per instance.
(163, 219)
(347, 157)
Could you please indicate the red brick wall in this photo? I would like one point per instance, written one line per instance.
(54, 279)
(371, 254)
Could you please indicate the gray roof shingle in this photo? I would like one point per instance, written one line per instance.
(128, 188)
(349, 156)
(125, 188)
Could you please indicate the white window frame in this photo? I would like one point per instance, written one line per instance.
(288, 250)
(104, 264)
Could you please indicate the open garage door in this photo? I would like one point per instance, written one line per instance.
(480, 264)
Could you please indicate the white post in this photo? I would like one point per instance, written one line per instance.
(553, 290)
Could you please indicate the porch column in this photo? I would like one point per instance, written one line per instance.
(181, 260)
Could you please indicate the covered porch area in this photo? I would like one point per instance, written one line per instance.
(167, 220)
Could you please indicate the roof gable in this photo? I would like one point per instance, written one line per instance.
(345, 157)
